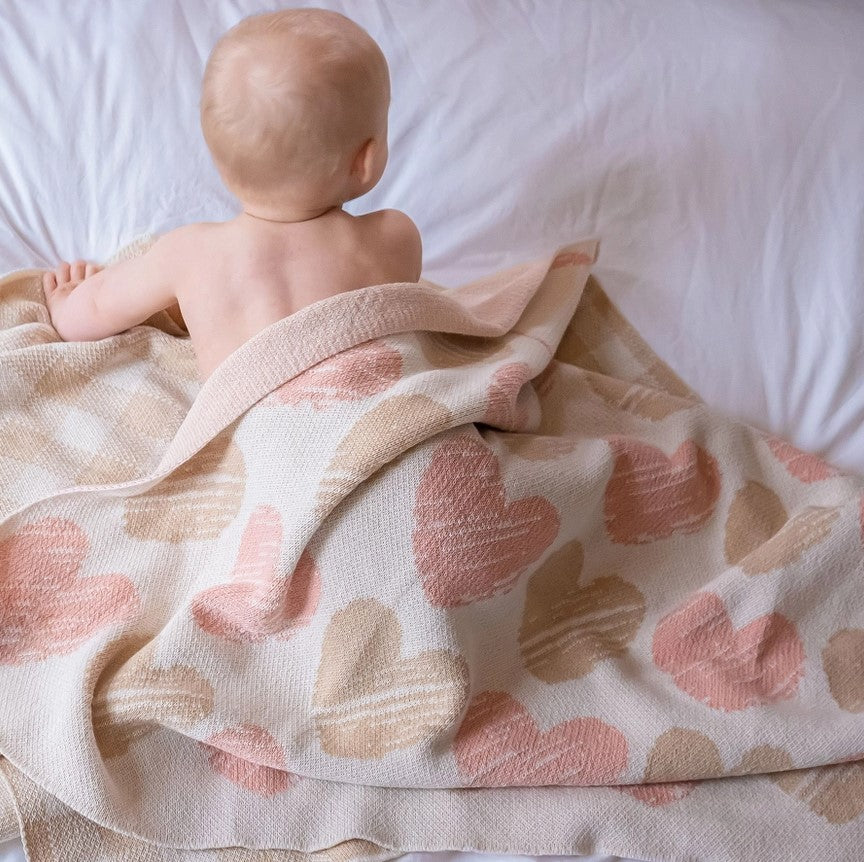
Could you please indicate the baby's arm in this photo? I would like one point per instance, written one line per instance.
(86, 307)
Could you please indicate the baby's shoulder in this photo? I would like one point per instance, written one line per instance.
(187, 235)
(390, 222)
(188, 244)
(396, 232)
(178, 243)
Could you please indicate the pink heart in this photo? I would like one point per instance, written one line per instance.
(510, 397)
(650, 496)
(500, 745)
(359, 372)
(46, 607)
(469, 543)
(724, 668)
(259, 603)
(802, 465)
(250, 757)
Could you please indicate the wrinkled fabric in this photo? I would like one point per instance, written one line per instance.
(416, 568)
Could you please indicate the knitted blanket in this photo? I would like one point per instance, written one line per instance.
(416, 568)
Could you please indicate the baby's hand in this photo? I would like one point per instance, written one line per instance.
(87, 302)
(65, 278)
(59, 286)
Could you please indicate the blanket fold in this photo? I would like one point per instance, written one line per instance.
(416, 568)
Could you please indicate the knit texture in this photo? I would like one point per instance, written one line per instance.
(416, 568)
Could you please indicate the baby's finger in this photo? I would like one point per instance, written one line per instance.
(76, 271)
(49, 281)
(62, 272)
(91, 269)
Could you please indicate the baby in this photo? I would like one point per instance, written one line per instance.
(294, 110)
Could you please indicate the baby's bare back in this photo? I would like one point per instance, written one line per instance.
(236, 278)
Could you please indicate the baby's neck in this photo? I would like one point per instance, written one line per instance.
(288, 216)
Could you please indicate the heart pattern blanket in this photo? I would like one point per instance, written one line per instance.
(416, 568)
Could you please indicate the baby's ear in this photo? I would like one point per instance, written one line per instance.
(364, 161)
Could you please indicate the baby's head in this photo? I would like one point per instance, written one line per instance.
(294, 110)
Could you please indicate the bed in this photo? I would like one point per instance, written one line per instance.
(715, 150)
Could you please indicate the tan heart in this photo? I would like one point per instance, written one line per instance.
(29, 444)
(378, 437)
(600, 339)
(197, 501)
(678, 757)
(450, 350)
(132, 698)
(755, 515)
(680, 754)
(762, 760)
(176, 360)
(567, 628)
(681, 759)
(760, 537)
(843, 661)
(835, 792)
(368, 700)
(539, 447)
(68, 382)
(138, 435)
(352, 850)
(596, 324)
(651, 404)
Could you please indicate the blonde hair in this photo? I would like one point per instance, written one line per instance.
(287, 95)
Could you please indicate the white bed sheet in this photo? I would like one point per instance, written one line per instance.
(714, 147)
